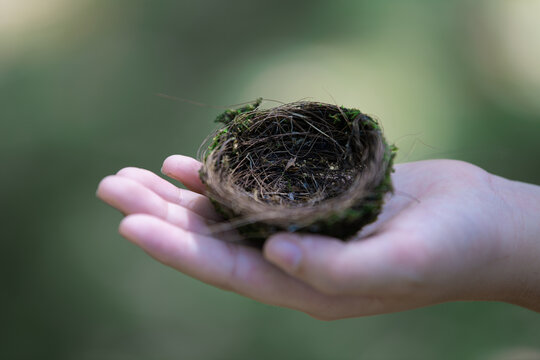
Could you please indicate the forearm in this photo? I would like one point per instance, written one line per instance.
(523, 200)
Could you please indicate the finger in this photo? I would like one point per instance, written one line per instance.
(195, 202)
(185, 170)
(130, 197)
(236, 268)
(387, 263)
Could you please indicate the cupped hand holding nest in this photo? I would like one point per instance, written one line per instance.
(450, 232)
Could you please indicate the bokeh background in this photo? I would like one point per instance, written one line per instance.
(78, 84)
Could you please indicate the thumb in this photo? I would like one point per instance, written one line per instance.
(378, 264)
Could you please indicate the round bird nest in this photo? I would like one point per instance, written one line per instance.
(304, 166)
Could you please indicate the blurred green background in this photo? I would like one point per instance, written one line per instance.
(78, 85)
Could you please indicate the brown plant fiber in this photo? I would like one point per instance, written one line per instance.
(304, 166)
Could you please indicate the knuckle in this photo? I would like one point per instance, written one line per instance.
(239, 271)
(226, 280)
(181, 198)
(168, 212)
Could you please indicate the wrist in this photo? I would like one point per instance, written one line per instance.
(520, 235)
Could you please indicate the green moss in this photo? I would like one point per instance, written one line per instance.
(352, 114)
(230, 114)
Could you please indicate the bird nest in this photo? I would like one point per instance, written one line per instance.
(304, 166)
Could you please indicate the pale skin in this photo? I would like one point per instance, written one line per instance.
(450, 232)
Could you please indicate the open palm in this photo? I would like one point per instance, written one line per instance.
(431, 243)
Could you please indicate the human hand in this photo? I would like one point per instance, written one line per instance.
(448, 233)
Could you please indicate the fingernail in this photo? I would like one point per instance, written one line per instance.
(285, 253)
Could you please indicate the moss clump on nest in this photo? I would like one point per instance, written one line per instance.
(305, 166)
